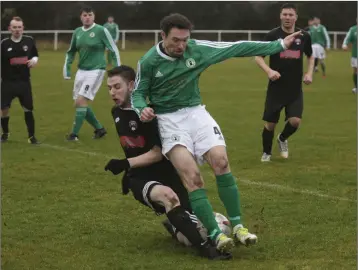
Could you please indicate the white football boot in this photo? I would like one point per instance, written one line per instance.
(243, 236)
(265, 157)
(283, 147)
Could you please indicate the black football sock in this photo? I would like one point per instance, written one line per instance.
(5, 124)
(315, 62)
(267, 137)
(323, 66)
(287, 131)
(30, 123)
(182, 221)
(355, 80)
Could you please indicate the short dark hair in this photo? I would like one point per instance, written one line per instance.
(289, 6)
(126, 72)
(86, 9)
(16, 18)
(175, 20)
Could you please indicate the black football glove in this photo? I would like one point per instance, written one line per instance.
(116, 166)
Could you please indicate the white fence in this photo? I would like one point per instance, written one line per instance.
(157, 32)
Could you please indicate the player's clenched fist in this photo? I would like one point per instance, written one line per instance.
(147, 115)
(274, 75)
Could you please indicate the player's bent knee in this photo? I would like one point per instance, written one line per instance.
(81, 102)
(270, 126)
(5, 112)
(220, 164)
(164, 196)
(192, 179)
(295, 122)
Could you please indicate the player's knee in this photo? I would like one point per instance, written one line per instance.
(4, 112)
(295, 122)
(81, 102)
(270, 126)
(193, 180)
(170, 198)
(220, 164)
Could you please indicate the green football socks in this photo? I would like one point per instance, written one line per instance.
(203, 210)
(229, 195)
(91, 118)
(79, 118)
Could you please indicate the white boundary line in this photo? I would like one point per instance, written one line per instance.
(247, 182)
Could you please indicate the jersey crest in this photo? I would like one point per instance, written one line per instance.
(190, 63)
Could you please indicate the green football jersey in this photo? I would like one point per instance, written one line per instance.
(90, 44)
(113, 30)
(351, 37)
(173, 83)
(319, 35)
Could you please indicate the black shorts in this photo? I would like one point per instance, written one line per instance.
(273, 107)
(141, 187)
(16, 89)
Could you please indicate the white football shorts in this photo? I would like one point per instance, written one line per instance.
(87, 83)
(318, 51)
(192, 127)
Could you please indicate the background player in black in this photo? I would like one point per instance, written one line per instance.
(18, 55)
(151, 178)
(285, 82)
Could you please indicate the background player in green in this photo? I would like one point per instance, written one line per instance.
(113, 29)
(351, 38)
(168, 74)
(320, 41)
(90, 41)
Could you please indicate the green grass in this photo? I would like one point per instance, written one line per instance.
(60, 210)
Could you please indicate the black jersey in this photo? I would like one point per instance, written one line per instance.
(14, 57)
(289, 63)
(137, 138)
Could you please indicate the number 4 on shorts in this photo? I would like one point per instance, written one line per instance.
(217, 131)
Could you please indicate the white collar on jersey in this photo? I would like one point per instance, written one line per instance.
(16, 40)
(163, 54)
(89, 28)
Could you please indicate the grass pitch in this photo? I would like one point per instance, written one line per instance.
(61, 210)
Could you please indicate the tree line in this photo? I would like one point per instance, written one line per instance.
(336, 16)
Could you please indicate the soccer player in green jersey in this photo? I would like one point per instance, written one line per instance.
(90, 42)
(351, 38)
(168, 74)
(320, 41)
(113, 29)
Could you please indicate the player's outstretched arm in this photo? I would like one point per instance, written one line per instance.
(219, 51)
(110, 45)
(70, 55)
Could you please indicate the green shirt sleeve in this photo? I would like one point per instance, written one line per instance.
(348, 38)
(141, 87)
(110, 45)
(328, 41)
(70, 55)
(217, 52)
(117, 34)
